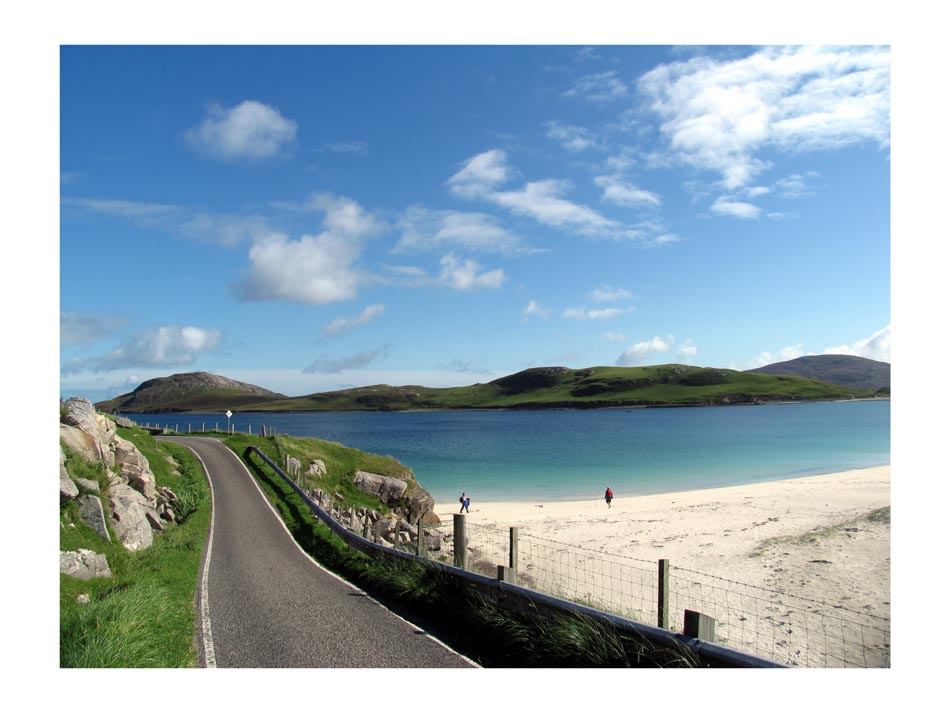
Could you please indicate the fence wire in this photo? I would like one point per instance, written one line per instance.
(780, 627)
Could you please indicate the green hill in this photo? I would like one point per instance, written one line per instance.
(848, 371)
(539, 388)
(196, 391)
(596, 387)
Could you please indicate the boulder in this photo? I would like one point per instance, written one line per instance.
(316, 469)
(81, 414)
(67, 488)
(134, 468)
(124, 422)
(387, 490)
(78, 441)
(84, 564)
(419, 505)
(90, 509)
(130, 516)
(91, 485)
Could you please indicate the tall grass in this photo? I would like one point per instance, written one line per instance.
(471, 623)
(144, 615)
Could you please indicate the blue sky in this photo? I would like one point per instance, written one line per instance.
(312, 218)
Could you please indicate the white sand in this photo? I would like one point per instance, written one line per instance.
(802, 538)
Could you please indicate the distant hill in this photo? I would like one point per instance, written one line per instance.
(848, 371)
(196, 391)
(552, 387)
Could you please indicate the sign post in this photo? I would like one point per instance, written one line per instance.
(229, 414)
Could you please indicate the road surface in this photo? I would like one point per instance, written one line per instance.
(265, 604)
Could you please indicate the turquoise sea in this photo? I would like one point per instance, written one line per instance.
(573, 455)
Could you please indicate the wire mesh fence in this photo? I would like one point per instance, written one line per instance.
(780, 627)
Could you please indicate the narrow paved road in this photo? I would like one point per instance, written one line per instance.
(269, 605)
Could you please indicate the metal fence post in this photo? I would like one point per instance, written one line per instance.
(513, 548)
(461, 554)
(663, 595)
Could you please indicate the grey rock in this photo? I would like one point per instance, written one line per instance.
(316, 469)
(129, 512)
(90, 509)
(91, 485)
(84, 564)
(124, 422)
(67, 488)
(78, 442)
(387, 490)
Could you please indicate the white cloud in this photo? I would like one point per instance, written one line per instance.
(615, 337)
(609, 294)
(328, 365)
(75, 328)
(424, 229)
(622, 193)
(227, 230)
(249, 131)
(342, 324)
(736, 209)
(785, 354)
(468, 275)
(314, 269)
(877, 346)
(572, 138)
(598, 88)
(582, 313)
(360, 148)
(542, 201)
(158, 347)
(136, 212)
(718, 115)
(641, 351)
(481, 174)
(687, 352)
(534, 309)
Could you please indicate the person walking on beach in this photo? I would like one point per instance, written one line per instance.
(465, 501)
(609, 495)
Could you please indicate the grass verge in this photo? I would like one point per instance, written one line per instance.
(470, 623)
(144, 615)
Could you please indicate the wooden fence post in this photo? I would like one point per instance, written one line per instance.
(663, 595)
(461, 554)
(513, 548)
(507, 574)
(420, 540)
(699, 626)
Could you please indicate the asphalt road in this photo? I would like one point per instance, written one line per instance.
(266, 604)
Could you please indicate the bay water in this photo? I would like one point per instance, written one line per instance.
(576, 454)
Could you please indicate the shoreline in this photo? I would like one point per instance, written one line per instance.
(529, 407)
(818, 543)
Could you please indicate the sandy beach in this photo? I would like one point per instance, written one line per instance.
(814, 547)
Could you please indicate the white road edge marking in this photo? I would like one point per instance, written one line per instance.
(334, 574)
(207, 641)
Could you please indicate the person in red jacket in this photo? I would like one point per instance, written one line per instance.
(609, 495)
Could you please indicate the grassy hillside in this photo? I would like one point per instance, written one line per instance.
(195, 391)
(596, 387)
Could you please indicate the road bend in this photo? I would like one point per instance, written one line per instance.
(266, 604)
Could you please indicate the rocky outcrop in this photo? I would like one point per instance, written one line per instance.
(84, 564)
(91, 512)
(130, 517)
(67, 488)
(388, 490)
(136, 507)
(316, 469)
